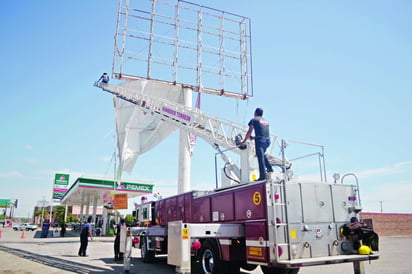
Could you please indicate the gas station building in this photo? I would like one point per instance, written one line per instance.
(88, 192)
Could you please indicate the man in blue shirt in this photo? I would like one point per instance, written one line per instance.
(262, 141)
(84, 234)
(45, 228)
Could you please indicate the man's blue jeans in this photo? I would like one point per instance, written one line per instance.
(261, 144)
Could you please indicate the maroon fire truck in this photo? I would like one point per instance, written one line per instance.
(280, 224)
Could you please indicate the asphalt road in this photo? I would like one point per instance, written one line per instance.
(59, 255)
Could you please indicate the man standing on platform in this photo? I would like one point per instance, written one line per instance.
(262, 141)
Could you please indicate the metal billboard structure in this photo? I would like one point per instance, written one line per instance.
(184, 43)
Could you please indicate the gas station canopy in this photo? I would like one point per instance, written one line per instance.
(85, 190)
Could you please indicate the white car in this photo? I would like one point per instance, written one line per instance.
(25, 226)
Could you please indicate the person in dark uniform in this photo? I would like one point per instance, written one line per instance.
(45, 229)
(63, 229)
(118, 256)
(84, 234)
(262, 141)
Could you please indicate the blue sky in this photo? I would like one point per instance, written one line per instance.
(336, 73)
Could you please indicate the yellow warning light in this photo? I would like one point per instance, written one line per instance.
(253, 177)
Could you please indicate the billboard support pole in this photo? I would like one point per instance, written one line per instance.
(184, 150)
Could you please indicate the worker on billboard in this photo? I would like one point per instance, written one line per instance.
(118, 256)
(262, 141)
(85, 233)
(104, 78)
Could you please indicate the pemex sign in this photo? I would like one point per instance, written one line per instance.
(60, 185)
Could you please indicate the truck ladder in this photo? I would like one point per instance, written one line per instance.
(216, 131)
(280, 211)
(281, 218)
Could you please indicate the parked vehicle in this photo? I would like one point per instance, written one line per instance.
(25, 226)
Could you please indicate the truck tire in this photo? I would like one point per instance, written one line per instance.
(146, 254)
(278, 270)
(210, 258)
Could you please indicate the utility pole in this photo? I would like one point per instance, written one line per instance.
(381, 202)
(42, 203)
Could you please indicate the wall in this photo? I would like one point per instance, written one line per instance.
(390, 224)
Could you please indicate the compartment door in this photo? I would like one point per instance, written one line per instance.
(316, 203)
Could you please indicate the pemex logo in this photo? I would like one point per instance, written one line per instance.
(61, 179)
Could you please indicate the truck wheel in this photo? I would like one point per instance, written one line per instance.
(278, 270)
(146, 255)
(209, 258)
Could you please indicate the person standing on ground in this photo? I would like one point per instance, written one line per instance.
(63, 229)
(118, 256)
(45, 228)
(84, 234)
(262, 141)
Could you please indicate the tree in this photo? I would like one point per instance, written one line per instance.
(42, 213)
(128, 219)
(58, 213)
(72, 219)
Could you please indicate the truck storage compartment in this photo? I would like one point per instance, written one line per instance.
(316, 203)
(256, 241)
(223, 207)
(250, 202)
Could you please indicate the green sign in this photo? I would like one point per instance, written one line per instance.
(60, 186)
(61, 179)
(136, 187)
(4, 202)
(110, 184)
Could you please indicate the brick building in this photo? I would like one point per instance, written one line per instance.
(390, 224)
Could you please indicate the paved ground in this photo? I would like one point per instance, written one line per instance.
(59, 255)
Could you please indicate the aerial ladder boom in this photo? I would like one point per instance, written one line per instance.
(218, 132)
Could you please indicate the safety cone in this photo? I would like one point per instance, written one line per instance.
(22, 234)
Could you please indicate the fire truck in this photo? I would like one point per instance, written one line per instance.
(279, 224)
